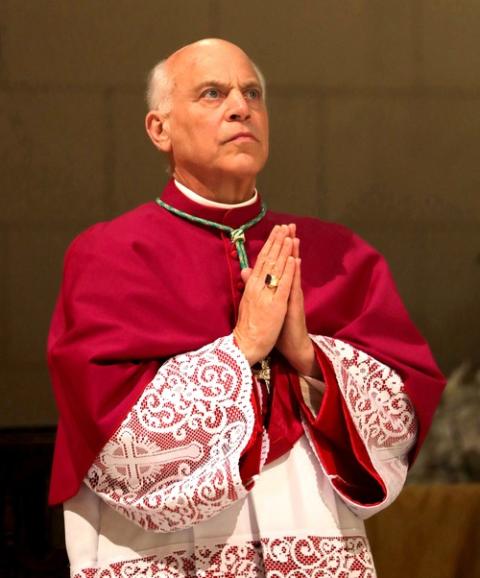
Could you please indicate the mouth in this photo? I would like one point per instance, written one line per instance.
(243, 137)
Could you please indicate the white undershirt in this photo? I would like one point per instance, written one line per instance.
(209, 203)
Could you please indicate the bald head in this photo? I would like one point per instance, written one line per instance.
(162, 78)
(207, 113)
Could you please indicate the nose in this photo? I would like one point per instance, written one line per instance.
(237, 106)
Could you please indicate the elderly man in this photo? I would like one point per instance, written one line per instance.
(231, 404)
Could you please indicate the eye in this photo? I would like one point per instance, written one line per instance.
(253, 94)
(211, 93)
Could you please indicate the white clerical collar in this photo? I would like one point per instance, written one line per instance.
(208, 203)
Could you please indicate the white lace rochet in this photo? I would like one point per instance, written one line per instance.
(174, 461)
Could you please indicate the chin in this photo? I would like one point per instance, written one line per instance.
(246, 166)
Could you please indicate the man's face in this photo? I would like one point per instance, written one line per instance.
(218, 123)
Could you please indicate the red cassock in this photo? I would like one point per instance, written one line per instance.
(150, 285)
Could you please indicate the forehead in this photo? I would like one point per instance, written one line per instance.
(226, 64)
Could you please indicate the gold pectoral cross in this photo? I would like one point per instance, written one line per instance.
(264, 373)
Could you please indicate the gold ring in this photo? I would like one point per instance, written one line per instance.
(271, 281)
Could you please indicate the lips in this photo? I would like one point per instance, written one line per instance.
(242, 136)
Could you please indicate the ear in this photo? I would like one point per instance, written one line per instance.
(157, 127)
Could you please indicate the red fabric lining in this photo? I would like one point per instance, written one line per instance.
(337, 443)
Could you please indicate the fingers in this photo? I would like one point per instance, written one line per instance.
(296, 295)
(286, 280)
(278, 253)
(270, 251)
(274, 254)
(291, 246)
(296, 248)
(268, 243)
(277, 265)
(265, 251)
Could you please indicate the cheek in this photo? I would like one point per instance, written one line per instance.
(203, 132)
(187, 140)
(265, 126)
(266, 149)
(206, 134)
(264, 130)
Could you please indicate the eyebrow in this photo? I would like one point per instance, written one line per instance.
(224, 86)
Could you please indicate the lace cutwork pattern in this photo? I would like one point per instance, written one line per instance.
(379, 407)
(286, 557)
(174, 460)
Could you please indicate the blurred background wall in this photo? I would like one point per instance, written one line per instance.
(375, 123)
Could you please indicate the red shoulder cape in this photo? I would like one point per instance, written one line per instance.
(149, 285)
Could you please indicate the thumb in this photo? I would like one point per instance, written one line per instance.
(245, 274)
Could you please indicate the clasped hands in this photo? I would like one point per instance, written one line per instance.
(275, 317)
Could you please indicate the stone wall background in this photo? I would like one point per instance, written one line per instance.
(375, 123)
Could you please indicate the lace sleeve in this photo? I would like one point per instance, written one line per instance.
(174, 461)
(382, 416)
